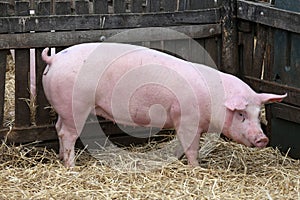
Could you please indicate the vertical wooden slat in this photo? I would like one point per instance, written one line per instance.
(100, 6)
(82, 7)
(197, 53)
(182, 5)
(294, 69)
(22, 111)
(269, 57)
(229, 38)
(119, 6)
(32, 4)
(212, 51)
(156, 45)
(22, 8)
(180, 48)
(3, 55)
(169, 5)
(246, 41)
(197, 4)
(42, 115)
(43, 8)
(259, 51)
(137, 6)
(52, 7)
(281, 56)
(153, 5)
(63, 8)
(4, 9)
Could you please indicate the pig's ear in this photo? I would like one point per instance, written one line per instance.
(270, 98)
(236, 103)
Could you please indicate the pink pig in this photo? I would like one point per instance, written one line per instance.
(137, 86)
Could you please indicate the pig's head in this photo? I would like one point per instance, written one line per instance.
(242, 123)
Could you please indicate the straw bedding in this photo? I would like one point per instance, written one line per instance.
(9, 98)
(227, 171)
(230, 171)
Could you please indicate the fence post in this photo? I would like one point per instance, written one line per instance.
(3, 54)
(230, 38)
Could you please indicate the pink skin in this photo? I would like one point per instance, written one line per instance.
(240, 102)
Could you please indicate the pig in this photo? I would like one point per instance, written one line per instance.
(134, 85)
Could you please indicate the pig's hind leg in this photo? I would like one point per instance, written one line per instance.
(69, 127)
(58, 127)
(67, 138)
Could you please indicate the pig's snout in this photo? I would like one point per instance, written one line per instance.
(261, 141)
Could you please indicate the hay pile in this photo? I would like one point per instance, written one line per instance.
(230, 171)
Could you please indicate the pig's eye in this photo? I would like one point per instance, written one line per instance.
(242, 117)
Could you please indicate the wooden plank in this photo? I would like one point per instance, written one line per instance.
(294, 69)
(211, 46)
(42, 114)
(52, 7)
(48, 133)
(169, 5)
(156, 45)
(63, 8)
(270, 16)
(29, 134)
(90, 22)
(287, 112)
(5, 8)
(198, 56)
(282, 52)
(259, 51)
(288, 5)
(100, 6)
(246, 42)
(3, 56)
(153, 5)
(43, 8)
(81, 7)
(260, 85)
(137, 6)
(29, 40)
(22, 111)
(229, 39)
(197, 4)
(22, 8)
(269, 57)
(119, 6)
(182, 5)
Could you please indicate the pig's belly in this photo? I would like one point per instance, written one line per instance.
(149, 106)
(139, 116)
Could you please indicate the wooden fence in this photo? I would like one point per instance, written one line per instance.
(269, 50)
(35, 25)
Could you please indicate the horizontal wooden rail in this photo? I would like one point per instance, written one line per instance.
(25, 24)
(35, 40)
(269, 86)
(48, 133)
(267, 15)
(286, 112)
